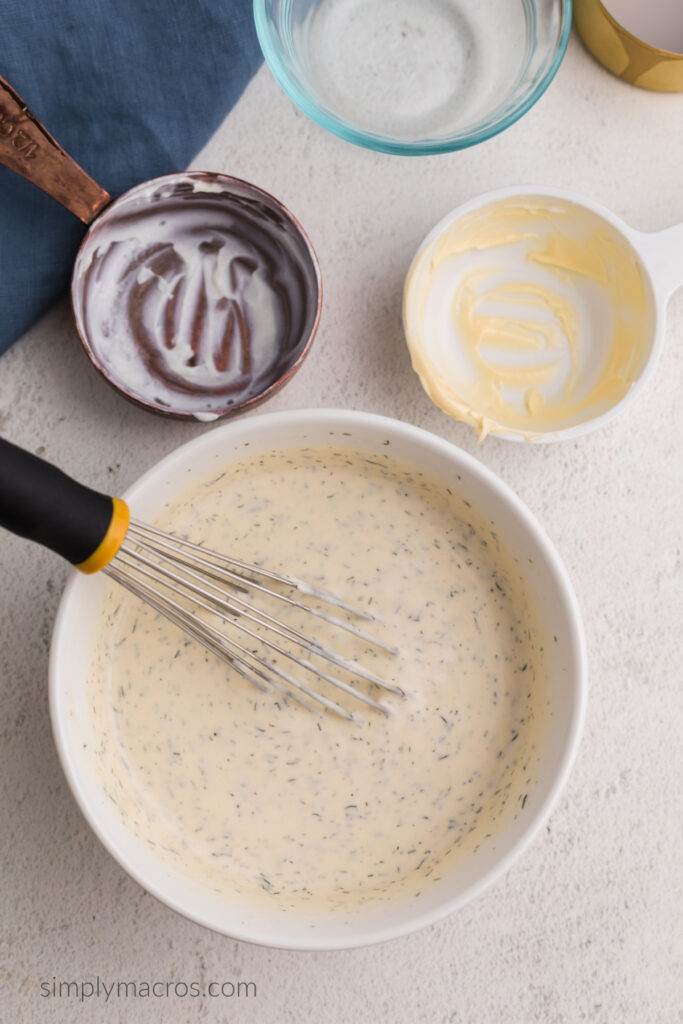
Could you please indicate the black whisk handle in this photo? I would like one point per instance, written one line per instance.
(43, 504)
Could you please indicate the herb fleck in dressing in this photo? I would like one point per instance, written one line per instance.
(255, 797)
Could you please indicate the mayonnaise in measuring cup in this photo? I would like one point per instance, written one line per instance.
(527, 316)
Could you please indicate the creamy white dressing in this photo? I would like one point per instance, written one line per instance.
(258, 798)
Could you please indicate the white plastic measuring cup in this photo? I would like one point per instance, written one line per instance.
(535, 314)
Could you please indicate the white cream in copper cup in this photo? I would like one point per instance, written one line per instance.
(535, 314)
(196, 295)
(74, 635)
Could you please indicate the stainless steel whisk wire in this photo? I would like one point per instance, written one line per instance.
(180, 579)
(158, 568)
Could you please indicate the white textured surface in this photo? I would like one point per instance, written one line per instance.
(586, 926)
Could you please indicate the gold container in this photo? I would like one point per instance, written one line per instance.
(623, 54)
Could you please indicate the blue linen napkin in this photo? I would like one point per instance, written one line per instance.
(130, 89)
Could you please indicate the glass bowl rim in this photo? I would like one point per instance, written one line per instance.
(387, 144)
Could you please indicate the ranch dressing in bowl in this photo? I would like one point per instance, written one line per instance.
(257, 798)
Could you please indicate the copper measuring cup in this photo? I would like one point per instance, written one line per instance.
(194, 294)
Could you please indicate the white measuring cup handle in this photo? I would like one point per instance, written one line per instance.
(663, 254)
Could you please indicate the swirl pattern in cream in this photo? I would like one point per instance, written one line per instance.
(195, 299)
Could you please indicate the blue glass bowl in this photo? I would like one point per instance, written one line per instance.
(414, 76)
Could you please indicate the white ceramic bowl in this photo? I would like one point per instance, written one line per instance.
(517, 528)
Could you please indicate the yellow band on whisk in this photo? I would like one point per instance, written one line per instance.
(112, 540)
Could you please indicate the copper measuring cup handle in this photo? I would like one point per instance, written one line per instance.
(29, 150)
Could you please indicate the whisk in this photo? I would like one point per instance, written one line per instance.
(179, 579)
